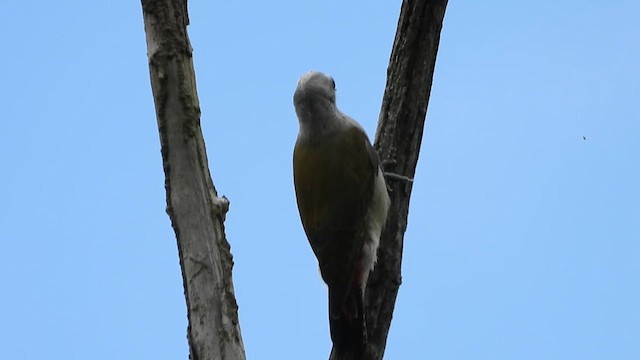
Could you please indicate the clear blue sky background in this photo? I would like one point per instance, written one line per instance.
(523, 238)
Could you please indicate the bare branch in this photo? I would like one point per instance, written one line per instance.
(196, 212)
(398, 140)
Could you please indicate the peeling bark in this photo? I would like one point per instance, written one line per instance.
(196, 212)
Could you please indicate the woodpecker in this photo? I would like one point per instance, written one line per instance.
(343, 203)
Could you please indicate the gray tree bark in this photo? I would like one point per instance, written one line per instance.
(196, 212)
(398, 139)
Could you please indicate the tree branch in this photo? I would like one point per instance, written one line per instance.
(398, 139)
(196, 212)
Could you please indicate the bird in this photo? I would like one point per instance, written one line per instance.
(343, 203)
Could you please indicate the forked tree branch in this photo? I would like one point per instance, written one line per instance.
(196, 211)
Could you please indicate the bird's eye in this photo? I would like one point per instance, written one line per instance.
(333, 84)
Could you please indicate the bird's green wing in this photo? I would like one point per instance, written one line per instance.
(334, 182)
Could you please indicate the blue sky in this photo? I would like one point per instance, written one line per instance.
(523, 238)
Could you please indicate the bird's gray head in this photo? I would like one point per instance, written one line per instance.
(315, 97)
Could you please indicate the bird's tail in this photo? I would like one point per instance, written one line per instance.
(347, 324)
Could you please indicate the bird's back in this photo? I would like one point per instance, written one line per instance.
(334, 181)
